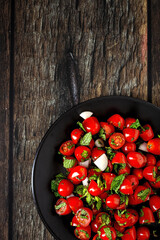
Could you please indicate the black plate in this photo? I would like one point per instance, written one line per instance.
(47, 163)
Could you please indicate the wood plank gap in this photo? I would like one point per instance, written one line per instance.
(149, 57)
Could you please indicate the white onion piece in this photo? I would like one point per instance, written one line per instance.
(71, 195)
(85, 163)
(86, 114)
(102, 162)
(99, 143)
(143, 147)
(85, 182)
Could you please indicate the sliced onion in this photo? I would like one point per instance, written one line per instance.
(102, 162)
(143, 147)
(99, 143)
(85, 182)
(86, 114)
(71, 195)
(85, 163)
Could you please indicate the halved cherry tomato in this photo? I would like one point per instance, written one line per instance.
(62, 207)
(133, 180)
(126, 187)
(131, 135)
(119, 158)
(94, 189)
(117, 121)
(123, 219)
(75, 203)
(69, 162)
(65, 188)
(108, 129)
(113, 201)
(82, 153)
(153, 146)
(146, 216)
(129, 122)
(150, 173)
(142, 193)
(83, 232)
(133, 216)
(92, 125)
(107, 233)
(138, 172)
(116, 140)
(154, 203)
(119, 228)
(129, 147)
(67, 148)
(133, 201)
(74, 222)
(136, 159)
(146, 184)
(124, 170)
(151, 160)
(76, 134)
(156, 184)
(143, 233)
(77, 174)
(108, 178)
(101, 218)
(130, 234)
(96, 153)
(148, 134)
(84, 216)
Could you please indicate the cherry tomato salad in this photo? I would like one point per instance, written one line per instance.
(111, 168)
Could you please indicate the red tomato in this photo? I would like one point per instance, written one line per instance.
(136, 159)
(96, 237)
(95, 226)
(119, 228)
(153, 146)
(129, 122)
(83, 232)
(94, 189)
(76, 134)
(146, 184)
(65, 188)
(148, 134)
(84, 216)
(94, 171)
(126, 187)
(143, 233)
(62, 207)
(69, 162)
(119, 158)
(108, 128)
(133, 217)
(123, 219)
(133, 180)
(142, 193)
(124, 170)
(117, 121)
(110, 166)
(138, 172)
(106, 231)
(129, 234)
(92, 125)
(154, 203)
(91, 145)
(150, 173)
(103, 217)
(158, 165)
(103, 196)
(96, 153)
(116, 140)
(113, 201)
(82, 153)
(133, 201)
(67, 148)
(151, 160)
(74, 222)
(129, 147)
(131, 135)
(108, 178)
(146, 216)
(155, 184)
(75, 203)
(94, 209)
(77, 174)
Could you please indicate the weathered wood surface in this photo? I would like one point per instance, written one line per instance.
(4, 114)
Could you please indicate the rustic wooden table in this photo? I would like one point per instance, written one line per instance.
(109, 41)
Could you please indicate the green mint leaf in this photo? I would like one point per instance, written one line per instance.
(141, 214)
(84, 154)
(102, 134)
(154, 173)
(143, 194)
(84, 214)
(105, 219)
(68, 163)
(158, 136)
(116, 183)
(110, 153)
(93, 177)
(89, 199)
(136, 124)
(80, 178)
(62, 204)
(158, 179)
(81, 126)
(79, 189)
(99, 202)
(113, 142)
(86, 139)
(119, 234)
(55, 182)
(86, 234)
(108, 233)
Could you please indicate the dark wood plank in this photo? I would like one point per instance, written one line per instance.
(108, 40)
(4, 114)
(155, 49)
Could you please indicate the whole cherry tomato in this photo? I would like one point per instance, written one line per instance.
(82, 153)
(102, 218)
(107, 233)
(143, 233)
(62, 207)
(154, 203)
(126, 187)
(116, 140)
(131, 135)
(69, 162)
(94, 189)
(92, 125)
(67, 148)
(76, 134)
(119, 158)
(108, 178)
(133, 216)
(96, 153)
(117, 121)
(150, 173)
(142, 193)
(156, 184)
(129, 122)
(138, 172)
(75, 203)
(130, 234)
(129, 147)
(83, 232)
(113, 201)
(151, 160)
(136, 159)
(65, 188)
(153, 146)
(108, 129)
(148, 134)
(146, 216)
(133, 180)
(77, 174)
(84, 216)
(95, 226)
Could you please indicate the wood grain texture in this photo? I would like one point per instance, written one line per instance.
(4, 114)
(155, 51)
(108, 39)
